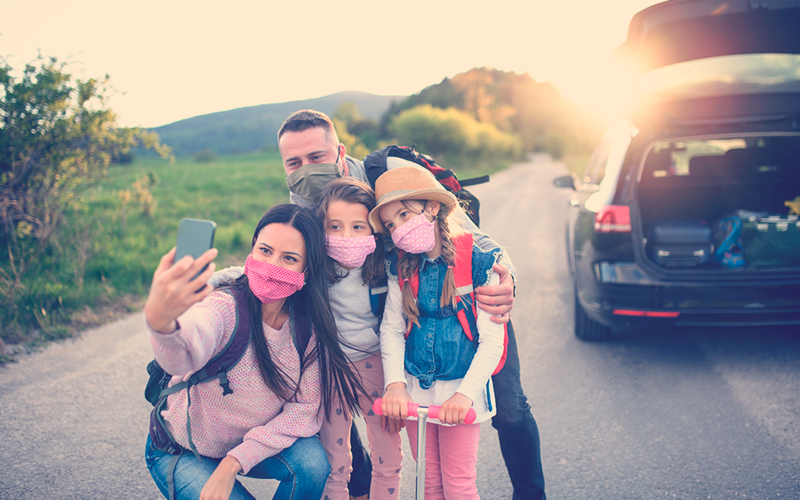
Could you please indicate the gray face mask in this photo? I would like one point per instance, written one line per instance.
(307, 181)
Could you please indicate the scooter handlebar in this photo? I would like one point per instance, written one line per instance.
(433, 411)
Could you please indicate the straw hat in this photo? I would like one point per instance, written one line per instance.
(407, 183)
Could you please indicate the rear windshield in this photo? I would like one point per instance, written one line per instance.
(725, 75)
(720, 159)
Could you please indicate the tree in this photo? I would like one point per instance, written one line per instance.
(363, 131)
(537, 113)
(453, 135)
(352, 143)
(347, 112)
(57, 137)
(479, 89)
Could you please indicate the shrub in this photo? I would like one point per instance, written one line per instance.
(452, 136)
(57, 139)
(205, 156)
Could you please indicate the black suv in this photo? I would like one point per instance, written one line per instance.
(687, 214)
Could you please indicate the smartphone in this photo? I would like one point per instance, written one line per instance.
(195, 237)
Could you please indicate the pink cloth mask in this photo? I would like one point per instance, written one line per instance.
(271, 283)
(350, 251)
(416, 235)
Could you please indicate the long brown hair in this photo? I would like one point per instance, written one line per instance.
(337, 380)
(350, 190)
(408, 265)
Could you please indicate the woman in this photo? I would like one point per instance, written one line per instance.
(266, 427)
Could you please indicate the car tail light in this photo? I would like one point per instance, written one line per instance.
(613, 219)
(649, 314)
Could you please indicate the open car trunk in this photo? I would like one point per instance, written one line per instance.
(722, 204)
(678, 31)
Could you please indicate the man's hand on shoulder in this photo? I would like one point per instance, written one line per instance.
(497, 300)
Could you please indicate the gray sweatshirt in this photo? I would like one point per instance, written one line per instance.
(358, 327)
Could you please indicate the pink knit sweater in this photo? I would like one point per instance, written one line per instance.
(251, 424)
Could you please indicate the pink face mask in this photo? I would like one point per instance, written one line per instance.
(350, 251)
(271, 283)
(416, 235)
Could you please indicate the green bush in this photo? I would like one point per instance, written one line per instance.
(453, 137)
(205, 156)
(57, 139)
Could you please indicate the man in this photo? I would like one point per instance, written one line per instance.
(312, 156)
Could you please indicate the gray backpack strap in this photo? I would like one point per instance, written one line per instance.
(171, 474)
(224, 361)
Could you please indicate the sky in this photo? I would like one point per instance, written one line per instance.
(174, 59)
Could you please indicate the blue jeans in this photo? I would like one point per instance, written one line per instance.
(361, 477)
(516, 428)
(302, 470)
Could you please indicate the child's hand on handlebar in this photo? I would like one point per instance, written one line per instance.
(454, 410)
(432, 411)
(395, 401)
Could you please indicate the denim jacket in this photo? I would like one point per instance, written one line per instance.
(438, 349)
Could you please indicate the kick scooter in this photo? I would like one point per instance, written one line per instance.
(422, 413)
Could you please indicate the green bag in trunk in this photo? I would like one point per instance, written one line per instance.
(772, 241)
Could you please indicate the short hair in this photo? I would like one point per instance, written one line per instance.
(306, 119)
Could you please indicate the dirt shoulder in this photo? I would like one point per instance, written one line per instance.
(80, 321)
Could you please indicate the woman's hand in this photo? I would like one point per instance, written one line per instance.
(220, 484)
(173, 291)
(497, 300)
(455, 409)
(395, 401)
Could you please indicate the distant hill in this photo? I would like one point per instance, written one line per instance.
(253, 127)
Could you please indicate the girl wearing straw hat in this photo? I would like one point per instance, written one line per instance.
(437, 347)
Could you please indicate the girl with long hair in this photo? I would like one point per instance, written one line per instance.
(358, 278)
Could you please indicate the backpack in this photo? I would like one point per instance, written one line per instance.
(375, 165)
(728, 235)
(217, 368)
(465, 309)
(377, 297)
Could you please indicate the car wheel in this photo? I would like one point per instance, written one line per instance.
(586, 328)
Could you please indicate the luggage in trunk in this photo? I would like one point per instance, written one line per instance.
(680, 243)
(753, 177)
(771, 241)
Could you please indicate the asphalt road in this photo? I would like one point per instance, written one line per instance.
(693, 414)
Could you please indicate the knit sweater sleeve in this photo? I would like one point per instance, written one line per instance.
(202, 331)
(299, 418)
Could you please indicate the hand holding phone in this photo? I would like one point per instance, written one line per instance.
(195, 237)
(172, 293)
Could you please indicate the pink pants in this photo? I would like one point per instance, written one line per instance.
(451, 454)
(385, 449)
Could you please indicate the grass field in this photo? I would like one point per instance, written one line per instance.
(122, 245)
(233, 191)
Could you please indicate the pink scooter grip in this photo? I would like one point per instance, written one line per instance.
(433, 411)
